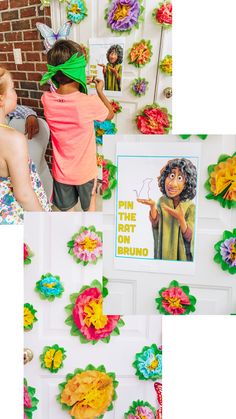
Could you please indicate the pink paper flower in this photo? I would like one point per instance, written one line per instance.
(26, 252)
(88, 316)
(86, 245)
(27, 399)
(175, 300)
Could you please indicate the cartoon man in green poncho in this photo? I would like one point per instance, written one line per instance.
(173, 216)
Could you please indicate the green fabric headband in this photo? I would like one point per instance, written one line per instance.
(74, 68)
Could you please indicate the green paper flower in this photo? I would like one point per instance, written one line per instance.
(29, 316)
(124, 15)
(140, 53)
(226, 251)
(89, 384)
(49, 287)
(166, 65)
(86, 246)
(52, 358)
(86, 317)
(175, 299)
(109, 181)
(30, 401)
(148, 363)
(187, 136)
(28, 254)
(221, 183)
(141, 409)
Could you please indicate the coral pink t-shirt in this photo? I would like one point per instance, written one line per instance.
(71, 121)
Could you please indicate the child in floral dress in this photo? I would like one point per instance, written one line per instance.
(20, 185)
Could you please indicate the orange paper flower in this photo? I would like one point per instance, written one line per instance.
(140, 53)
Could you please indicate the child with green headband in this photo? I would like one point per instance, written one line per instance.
(70, 114)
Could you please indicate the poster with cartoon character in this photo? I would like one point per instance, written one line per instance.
(156, 207)
(106, 63)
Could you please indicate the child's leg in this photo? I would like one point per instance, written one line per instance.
(65, 197)
(87, 195)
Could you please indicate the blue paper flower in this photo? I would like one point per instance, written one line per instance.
(148, 363)
(104, 128)
(49, 287)
(76, 11)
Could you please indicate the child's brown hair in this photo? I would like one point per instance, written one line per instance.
(61, 52)
(4, 76)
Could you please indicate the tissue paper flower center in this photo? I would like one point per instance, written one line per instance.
(121, 12)
(94, 314)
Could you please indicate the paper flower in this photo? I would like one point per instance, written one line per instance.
(158, 389)
(49, 287)
(85, 51)
(140, 54)
(109, 181)
(30, 401)
(86, 245)
(163, 14)
(175, 299)
(88, 393)
(141, 410)
(166, 65)
(28, 254)
(52, 358)
(139, 86)
(226, 251)
(187, 136)
(124, 15)
(29, 316)
(104, 128)
(76, 11)
(116, 106)
(86, 316)
(45, 3)
(154, 120)
(148, 363)
(221, 183)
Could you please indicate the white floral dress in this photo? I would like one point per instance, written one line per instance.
(11, 212)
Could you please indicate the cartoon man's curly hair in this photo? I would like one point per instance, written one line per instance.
(119, 51)
(189, 172)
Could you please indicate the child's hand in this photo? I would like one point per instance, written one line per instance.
(99, 85)
(31, 126)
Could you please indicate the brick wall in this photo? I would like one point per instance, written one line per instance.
(18, 30)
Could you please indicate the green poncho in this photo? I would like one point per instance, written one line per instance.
(168, 240)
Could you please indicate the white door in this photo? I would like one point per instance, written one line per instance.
(47, 236)
(135, 292)
(94, 26)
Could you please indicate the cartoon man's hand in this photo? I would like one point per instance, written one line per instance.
(178, 214)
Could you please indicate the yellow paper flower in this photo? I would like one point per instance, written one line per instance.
(29, 316)
(52, 358)
(223, 178)
(94, 314)
(166, 64)
(90, 393)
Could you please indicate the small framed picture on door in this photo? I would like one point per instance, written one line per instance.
(106, 63)
(156, 207)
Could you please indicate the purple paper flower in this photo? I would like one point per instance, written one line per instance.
(139, 86)
(228, 251)
(122, 15)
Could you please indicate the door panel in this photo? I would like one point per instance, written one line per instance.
(214, 288)
(47, 236)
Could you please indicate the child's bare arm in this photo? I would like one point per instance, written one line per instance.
(17, 162)
(99, 88)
